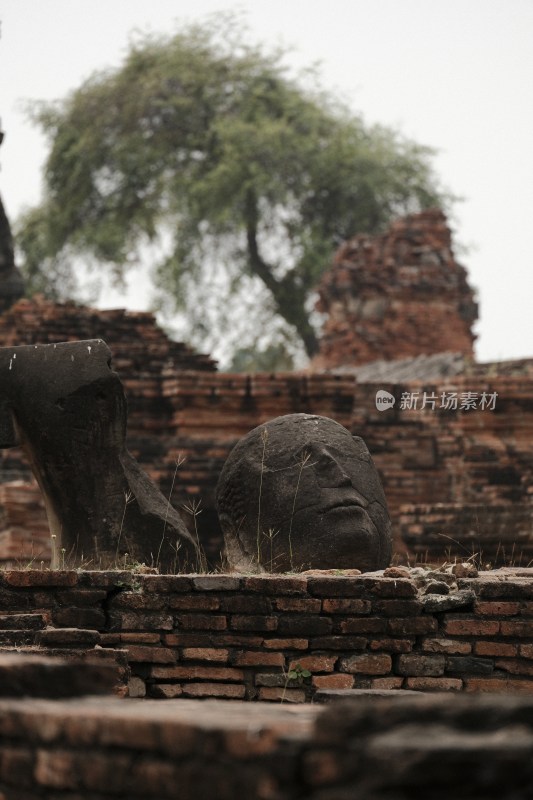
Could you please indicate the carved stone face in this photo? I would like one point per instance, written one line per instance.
(302, 492)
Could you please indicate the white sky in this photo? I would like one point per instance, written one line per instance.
(455, 75)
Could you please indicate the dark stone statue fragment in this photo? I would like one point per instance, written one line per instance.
(11, 283)
(66, 408)
(300, 492)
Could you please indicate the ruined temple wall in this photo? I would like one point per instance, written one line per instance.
(396, 295)
(425, 457)
(237, 637)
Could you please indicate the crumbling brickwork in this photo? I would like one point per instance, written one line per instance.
(396, 295)
(426, 456)
(434, 463)
(238, 637)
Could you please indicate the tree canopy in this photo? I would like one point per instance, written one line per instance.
(242, 177)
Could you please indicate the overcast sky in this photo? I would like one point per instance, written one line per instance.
(455, 75)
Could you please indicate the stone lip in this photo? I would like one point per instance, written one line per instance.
(333, 695)
(23, 675)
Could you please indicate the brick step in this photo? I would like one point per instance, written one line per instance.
(333, 695)
(31, 675)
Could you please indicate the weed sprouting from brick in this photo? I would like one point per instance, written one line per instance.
(128, 498)
(302, 465)
(193, 508)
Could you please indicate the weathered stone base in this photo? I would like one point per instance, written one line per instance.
(400, 747)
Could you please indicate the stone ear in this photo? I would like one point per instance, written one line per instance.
(8, 433)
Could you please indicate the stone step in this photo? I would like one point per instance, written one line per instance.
(332, 695)
(25, 675)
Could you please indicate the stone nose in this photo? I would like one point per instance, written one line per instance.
(331, 473)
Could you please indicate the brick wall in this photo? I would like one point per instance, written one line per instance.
(369, 748)
(237, 637)
(180, 407)
(396, 295)
(426, 457)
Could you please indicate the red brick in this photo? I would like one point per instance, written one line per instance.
(165, 691)
(237, 640)
(419, 665)
(516, 666)
(232, 691)
(193, 602)
(253, 623)
(363, 625)
(166, 584)
(335, 681)
(390, 587)
(205, 654)
(496, 609)
(504, 685)
(322, 767)
(56, 769)
(52, 637)
(335, 586)
(35, 577)
(79, 617)
(507, 589)
(139, 638)
(471, 627)
(387, 683)
(192, 672)
(253, 659)
(138, 602)
(449, 646)
(526, 650)
(274, 584)
(318, 663)
(367, 664)
(412, 625)
(217, 583)
(518, 628)
(16, 766)
(151, 655)
(346, 606)
(397, 608)
(392, 645)
(202, 622)
(129, 620)
(79, 598)
(246, 604)
(338, 643)
(279, 694)
(286, 644)
(423, 684)
(495, 649)
(304, 604)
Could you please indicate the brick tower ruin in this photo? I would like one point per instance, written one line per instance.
(394, 296)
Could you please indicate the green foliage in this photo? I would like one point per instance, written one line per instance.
(249, 176)
(297, 673)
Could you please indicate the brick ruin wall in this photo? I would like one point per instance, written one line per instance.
(458, 482)
(394, 646)
(369, 747)
(238, 637)
(396, 295)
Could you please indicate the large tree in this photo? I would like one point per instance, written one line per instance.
(246, 177)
